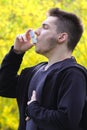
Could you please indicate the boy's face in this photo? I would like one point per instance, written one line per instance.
(46, 36)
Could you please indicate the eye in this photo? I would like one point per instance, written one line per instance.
(45, 26)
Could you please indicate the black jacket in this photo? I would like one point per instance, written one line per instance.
(63, 94)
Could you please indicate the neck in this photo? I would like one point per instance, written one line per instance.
(57, 56)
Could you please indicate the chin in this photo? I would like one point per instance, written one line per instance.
(40, 51)
(37, 50)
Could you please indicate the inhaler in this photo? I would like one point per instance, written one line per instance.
(33, 37)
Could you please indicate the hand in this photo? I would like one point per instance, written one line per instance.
(22, 42)
(33, 97)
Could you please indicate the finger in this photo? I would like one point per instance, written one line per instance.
(20, 37)
(33, 95)
(24, 38)
(27, 34)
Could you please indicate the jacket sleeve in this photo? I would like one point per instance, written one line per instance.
(71, 98)
(8, 74)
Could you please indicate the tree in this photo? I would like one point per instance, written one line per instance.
(16, 16)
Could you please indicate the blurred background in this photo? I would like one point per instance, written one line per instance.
(16, 16)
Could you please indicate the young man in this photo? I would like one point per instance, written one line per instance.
(48, 98)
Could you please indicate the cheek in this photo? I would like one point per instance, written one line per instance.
(51, 41)
(46, 43)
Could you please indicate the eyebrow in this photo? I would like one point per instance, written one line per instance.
(43, 24)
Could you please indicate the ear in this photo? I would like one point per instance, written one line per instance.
(62, 37)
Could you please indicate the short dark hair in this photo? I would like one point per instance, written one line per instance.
(69, 23)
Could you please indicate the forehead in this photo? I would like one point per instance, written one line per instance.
(50, 20)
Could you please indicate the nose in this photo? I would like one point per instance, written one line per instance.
(37, 32)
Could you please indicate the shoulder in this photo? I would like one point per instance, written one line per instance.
(75, 73)
(32, 68)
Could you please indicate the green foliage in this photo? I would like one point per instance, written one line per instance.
(8, 114)
(16, 16)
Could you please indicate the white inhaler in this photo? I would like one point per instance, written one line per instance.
(33, 37)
